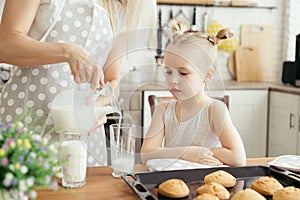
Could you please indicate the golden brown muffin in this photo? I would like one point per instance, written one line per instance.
(287, 193)
(248, 194)
(206, 196)
(266, 185)
(173, 188)
(222, 177)
(214, 188)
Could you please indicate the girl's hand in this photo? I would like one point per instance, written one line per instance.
(209, 160)
(83, 66)
(100, 122)
(200, 155)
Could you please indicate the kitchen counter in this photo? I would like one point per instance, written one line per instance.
(151, 78)
(102, 185)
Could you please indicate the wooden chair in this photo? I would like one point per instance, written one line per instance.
(154, 100)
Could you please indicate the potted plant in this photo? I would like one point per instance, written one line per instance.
(27, 160)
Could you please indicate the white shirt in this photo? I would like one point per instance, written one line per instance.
(194, 132)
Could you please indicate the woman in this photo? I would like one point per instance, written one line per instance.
(53, 43)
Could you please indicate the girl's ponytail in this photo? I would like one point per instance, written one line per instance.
(221, 35)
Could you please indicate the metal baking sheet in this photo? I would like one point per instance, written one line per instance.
(145, 184)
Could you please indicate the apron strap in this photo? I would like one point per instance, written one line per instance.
(43, 39)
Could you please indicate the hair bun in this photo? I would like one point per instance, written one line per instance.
(178, 27)
(223, 34)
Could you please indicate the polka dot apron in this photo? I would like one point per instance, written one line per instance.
(77, 21)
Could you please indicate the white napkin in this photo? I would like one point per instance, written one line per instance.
(174, 164)
(289, 162)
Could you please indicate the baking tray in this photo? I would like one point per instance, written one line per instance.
(145, 184)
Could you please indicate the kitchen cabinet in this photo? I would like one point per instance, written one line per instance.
(249, 113)
(131, 106)
(284, 124)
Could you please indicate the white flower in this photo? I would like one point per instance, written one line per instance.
(8, 179)
(32, 155)
(20, 124)
(6, 183)
(11, 167)
(53, 149)
(9, 176)
(45, 141)
(1, 137)
(37, 137)
(30, 182)
(24, 169)
(22, 186)
(33, 194)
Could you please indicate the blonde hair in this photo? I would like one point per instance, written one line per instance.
(207, 43)
(136, 12)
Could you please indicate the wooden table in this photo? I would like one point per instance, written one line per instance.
(102, 185)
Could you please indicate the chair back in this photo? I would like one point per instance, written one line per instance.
(154, 100)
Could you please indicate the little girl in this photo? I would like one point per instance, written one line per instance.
(193, 126)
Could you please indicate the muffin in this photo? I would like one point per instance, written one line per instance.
(214, 188)
(222, 177)
(206, 196)
(248, 194)
(173, 188)
(287, 193)
(266, 185)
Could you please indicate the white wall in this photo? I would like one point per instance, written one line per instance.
(233, 18)
(285, 20)
(291, 28)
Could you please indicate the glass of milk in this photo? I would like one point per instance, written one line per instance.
(73, 154)
(122, 146)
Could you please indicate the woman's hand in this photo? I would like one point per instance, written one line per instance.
(100, 122)
(200, 155)
(83, 66)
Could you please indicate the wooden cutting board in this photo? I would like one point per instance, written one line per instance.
(260, 37)
(248, 67)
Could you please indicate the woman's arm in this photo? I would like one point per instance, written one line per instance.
(152, 145)
(233, 150)
(19, 49)
(112, 67)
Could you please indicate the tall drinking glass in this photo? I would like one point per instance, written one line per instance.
(122, 145)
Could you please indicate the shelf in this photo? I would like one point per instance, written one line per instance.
(208, 4)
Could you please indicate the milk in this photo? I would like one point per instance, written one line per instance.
(122, 165)
(74, 158)
(82, 118)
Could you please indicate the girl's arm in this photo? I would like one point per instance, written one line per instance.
(152, 145)
(233, 150)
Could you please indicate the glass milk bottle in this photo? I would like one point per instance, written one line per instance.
(73, 155)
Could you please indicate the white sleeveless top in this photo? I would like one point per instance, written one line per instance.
(193, 132)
